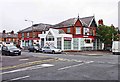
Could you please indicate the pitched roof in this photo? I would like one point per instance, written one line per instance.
(87, 20)
(70, 22)
(8, 35)
(0, 35)
(66, 23)
(37, 27)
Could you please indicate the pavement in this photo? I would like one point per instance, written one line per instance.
(91, 53)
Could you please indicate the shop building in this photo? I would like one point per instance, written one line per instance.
(83, 31)
(29, 36)
(57, 38)
(79, 34)
(63, 41)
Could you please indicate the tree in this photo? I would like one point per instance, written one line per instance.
(107, 34)
(4, 31)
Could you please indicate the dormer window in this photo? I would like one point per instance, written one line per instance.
(78, 30)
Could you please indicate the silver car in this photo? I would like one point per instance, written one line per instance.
(51, 49)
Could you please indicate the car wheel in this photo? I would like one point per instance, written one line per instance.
(19, 54)
(43, 51)
(114, 53)
(53, 52)
(8, 54)
(2, 54)
(36, 51)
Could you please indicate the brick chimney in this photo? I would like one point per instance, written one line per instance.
(12, 32)
(100, 22)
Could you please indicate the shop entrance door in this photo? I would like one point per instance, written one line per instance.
(42, 42)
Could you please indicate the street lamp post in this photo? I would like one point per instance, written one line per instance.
(32, 29)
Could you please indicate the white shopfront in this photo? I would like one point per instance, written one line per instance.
(54, 37)
(63, 41)
(82, 44)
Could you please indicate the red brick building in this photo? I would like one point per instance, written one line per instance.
(76, 26)
(29, 36)
(9, 37)
(83, 31)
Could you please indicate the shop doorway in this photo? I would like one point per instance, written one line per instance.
(42, 42)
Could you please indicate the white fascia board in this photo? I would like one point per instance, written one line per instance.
(42, 35)
(66, 35)
(91, 22)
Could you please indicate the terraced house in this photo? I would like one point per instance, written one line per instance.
(8, 37)
(83, 31)
(29, 36)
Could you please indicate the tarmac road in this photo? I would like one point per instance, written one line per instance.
(39, 66)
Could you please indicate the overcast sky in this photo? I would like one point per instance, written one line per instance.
(15, 12)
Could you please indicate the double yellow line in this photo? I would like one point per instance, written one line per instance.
(37, 62)
(28, 64)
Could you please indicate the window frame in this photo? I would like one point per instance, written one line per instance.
(78, 30)
(28, 34)
(68, 30)
(23, 35)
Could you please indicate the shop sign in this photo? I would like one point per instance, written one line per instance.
(49, 43)
(31, 38)
(67, 38)
(85, 36)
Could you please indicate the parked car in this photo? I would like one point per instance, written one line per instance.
(0, 47)
(10, 50)
(51, 49)
(34, 49)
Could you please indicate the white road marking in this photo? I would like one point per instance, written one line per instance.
(23, 59)
(47, 65)
(20, 78)
(75, 65)
(92, 54)
(63, 59)
(29, 68)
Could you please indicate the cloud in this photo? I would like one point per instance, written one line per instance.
(14, 12)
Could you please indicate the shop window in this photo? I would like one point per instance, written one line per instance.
(87, 41)
(67, 45)
(59, 43)
(75, 43)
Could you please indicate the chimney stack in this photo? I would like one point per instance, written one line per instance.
(100, 22)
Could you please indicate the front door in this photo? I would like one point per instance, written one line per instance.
(42, 42)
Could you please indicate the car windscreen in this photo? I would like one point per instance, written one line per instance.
(53, 47)
(11, 47)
